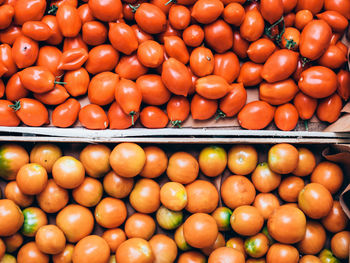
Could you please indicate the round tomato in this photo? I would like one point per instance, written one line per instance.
(314, 239)
(135, 250)
(94, 247)
(286, 117)
(202, 61)
(182, 168)
(250, 74)
(50, 239)
(193, 35)
(285, 253)
(336, 219)
(94, 33)
(30, 253)
(178, 109)
(179, 17)
(89, 193)
(219, 36)
(53, 198)
(234, 14)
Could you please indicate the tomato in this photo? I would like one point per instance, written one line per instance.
(31, 179)
(282, 253)
(256, 115)
(264, 179)
(122, 37)
(227, 66)
(302, 18)
(114, 237)
(314, 239)
(29, 10)
(180, 239)
(202, 197)
(250, 74)
(329, 175)
(68, 15)
(342, 46)
(340, 244)
(93, 154)
(212, 161)
(156, 162)
(58, 3)
(144, 198)
(219, 243)
(253, 24)
(93, 117)
(12, 158)
(306, 164)
(168, 219)
(89, 193)
(343, 88)
(45, 155)
(53, 198)
(14, 88)
(77, 82)
(207, 11)
(37, 30)
(86, 16)
(242, 159)
(37, 79)
(173, 196)
(93, 247)
(118, 119)
(129, 67)
(153, 117)
(315, 200)
(24, 52)
(56, 36)
(234, 101)
(34, 218)
(176, 77)
(279, 92)
(106, 11)
(290, 188)
(289, 5)
(12, 192)
(193, 36)
(329, 109)
(271, 10)
(202, 108)
(117, 186)
(234, 14)
(260, 50)
(340, 6)
(153, 90)
(219, 36)
(110, 212)
(74, 42)
(141, 35)
(50, 239)
(150, 53)
(150, 18)
(178, 109)
(102, 58)
(223, 254)
(12, 243)
(291, 38)
(102, 87)
(30, 253)
(181, 163)
(327, 256)
(336, 219)
(6, 13)
(302, 65)
(309, 259)
(12, 215)
(53, 97)
(179, 17)
(289, 19)
(318, 82)
(256, 246)
(336, 20)
(315, 39)
(169, 32)
(31, 112)
(212, 87)
(162, 4)
(65, 255)
(7, 116)
(246, 220)
(175, 47)
(164, 248)
(333, 57)
(314, 6)
(7, 59)
(266, 203)
(135, 250)
(202, 61)
(283, 158)
(305, 105)
(286, 117)
(50, 57)
(73, 59)
(240, 45)
(280, 65)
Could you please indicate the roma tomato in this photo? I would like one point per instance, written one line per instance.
(74, 42)
(150, 53)
(286, 117)
(178, 109)
(341, 6)
(333, 57)
(66, 114)
(122, 37)
(56, 36)
(153, 90)
(93, 117)
(289, 5)
(202, 108)
(250, 74)
(176, 77)
(315, 39)
(314, 6)
(129, 97)
(6, 13)
(3, 70)
(85, 13)
(234, 14)
(271, 10)
(256, 115)
(130, 67)
(175, 47)
(73, 59)
(118, 119)
(337, 21)
(169, 32)
(150, 18)
(37, 79)
(193, 35)
(77, 82)
(6, 58)
(10, 34)
(102, 87)
(7, 116)
(207, 11)
(234, 101)
(253, 25)
(219, 36)
(227, 66)
(58, 3)
(153, 117)
(343, 87)
(279, 92)
(37, 30)
(29, 10)
(102, 58)
(50, 57)
(53, 97)
(106, 11)
(329, 108)
(280, 65)
(212, 87)
(202, 61)
(260, 50)
(15, 89)
(25, 51)
(179, 17)
(31, 112)
(141, 35)
(68, 15)
(305, 105)
(240, 45)
(318, 82)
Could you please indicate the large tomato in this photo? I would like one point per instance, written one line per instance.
(150, 18)
(234, 101)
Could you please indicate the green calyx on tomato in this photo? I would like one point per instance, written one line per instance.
(269, 30)
(176, 123)
(290, 43)
(52, 10)
(220, 115)
(16, 106)
(30, 222)
(134, 7)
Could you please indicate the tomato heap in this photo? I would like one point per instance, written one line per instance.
(162, 60)
(134, 204)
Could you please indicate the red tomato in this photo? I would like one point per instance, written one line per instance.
(150, 18)
(10, 34)
(279, 92)
(31, 112)
(73, 59)
(291, 38)
(150, 53)
(93, 117)
(107, 11)
(341, 6)
(271, 10)
(176, 77)
(7, 116)
(234, 101)
(153, 117)
(29, 10)
(2, 88)
(193, 36)
(240, 45)
(314, 6)
(153, 90)
(253, 25)
(66, 114)
(56, 36)
(178, 109)
(50, 57)
(74, 42)
(58, 3)
(15, 89)
(162, 4)
(227, 66)
(37, 79)
(37, 30)
(260, 50)
(202, 61)
(256, 115)
(175, 47)
(250, 74)
(202, 108)
(25, 51)
(212, 87)
(102, 87)
(343, 87)
(102, 58)
(3, 70)
(318, 82)
(302, 18)
(335, 20)
(179, 17)
(315, 39)
(68, 15)
(289, 20)
(289, 5)
(53, 97)
(286, 117)
(219, 36)
(118, 119)
(130, 67)
(305, 105)
(207, 11)
(94, 33)
(234, 14)
(7, 59)
(169, 32)
(77, 82)
(141, 35)
(333, 57)
(85, 13)
(6, 14)
(329, 108)
(122, 37)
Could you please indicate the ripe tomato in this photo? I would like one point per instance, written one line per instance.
(50, 57)
(74, 42)
(144, 198)
(117, 186)
(77, 82)
(329, 175)
(140, 225)
(242, 159)
(306, 164)
(29, 10)
(257, 246)
(343, 87)
(340, 6)
(256, 115)
(106, 11)
(150, 18)
(93, 117)
(212, 161)
(227, 66)
(181, 163)
(309, 259)
(56, 36)
(30, 253)
(314, 239)
(173, 196)
(318, 82)
(12, 243)
(136, 248)
(219, 36)
(179, 17)
(279, 92)
(329, 108)
(175, 47)
(333, 57)
(150, 53)
(212, 87)
(266, 203)
(290, 188)
(283, 158)
(156, 162)
(202, 61)
(234, 101)
(153, 117)
(193, 36)
(141, 35)
(315, 39)
(271, 10)
(122, 37)
(50, 239)
(234, 14)
(65, 255)
(6, 12)
(169, 32)
(7, 116)
(153, 90)
(102, 58)
(53, 198)
(7, 59)
(259, 51)
(114, 237)
(289, 5)
(336, 219)
(12, 192)
(37, 79)
(286, 117)
(12, 157)
(240, 45)
(129, 67)
(73, 59)
(340, 244)
(314, 6)
(31, 112)
(219, 243)
(85, 14)
(264, 179)
(34, 218)
(162, 4)
(118, 119)
(207, 11)
(246, 220)
(178, 109)
(250, 74)
(10, 34)
(305, 105)
(225, 253)
(110, 212)
(93, 154)
(102, 87)
(202, 108)
(68, 15)
(283, 253)
(53, 97)
(24, 51)
(163, 247)
(253, 25)
(291, 38)
(45, 155)
(336, 20)
(37, 30)
(14, 88)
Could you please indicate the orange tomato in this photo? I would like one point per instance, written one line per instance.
(140, 226)
(164, 248)
(68, 15)
(256, 115)
(282, 253)
(264, 179)
(114, 237)
(182, 168)
(53, 198)
(37, 30)
(117, 117)
(290, 187)
(179, 17)
(89, 193)
(329, 109)
(330, 175)
(65, 256)
(7, 59)
(242, 159)
(225, 253)
(102, 58)
(202, 108)
(145, 198)
(175, 47)
(56, 37)
(94, 33)
(305, 105)
(193, 36)
(283, 158)
(93, 247)
(202, 61)
(234, 14)
(336, 219)
(24, 52)
(266, 203)
(333, 57)
(286, 117)
(340, 244)
(252, 26)
(93, 154)
(106, 10)
(68, 172)
(7, 116)
(110, 212)
(250, 74)
(31, 179)
(93, 117)
(13, 242)
(314, 239)
(30, 253)
(12, 192)
(10, 215)
(135, 250)
(29, 10)
(66, 114)
(150, 18)
(77, 82)
(246, 220)
(50, 57)
(156, 162)
(122, 37)
(153, 117)
(306, 164)
(219, 36)
(206, 11)
(173, 196)
(101, 90)
(50, 239)
(117, 186)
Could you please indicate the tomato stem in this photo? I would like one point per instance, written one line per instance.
(170, 1)
(290, 44)
(306, 123)
(176, 123)
(16, 106)
(132, 114)
(220, 115)
(304, 61)
(269, 29)
(52, 10)
(60, 82)
(134, 8)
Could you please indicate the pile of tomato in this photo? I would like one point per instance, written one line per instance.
(134, 204)
(160, 61)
